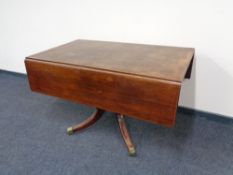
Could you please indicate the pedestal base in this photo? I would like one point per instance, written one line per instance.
(95, 117)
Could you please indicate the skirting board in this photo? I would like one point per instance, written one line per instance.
(181, 109)
(208, 115)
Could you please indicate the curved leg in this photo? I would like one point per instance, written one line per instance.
(125, 135)
(86, 123)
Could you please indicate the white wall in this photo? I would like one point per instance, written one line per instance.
(29, 26)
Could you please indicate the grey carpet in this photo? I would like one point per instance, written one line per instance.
(33, 140)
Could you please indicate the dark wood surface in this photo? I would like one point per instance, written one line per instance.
(168, 63)
(125, 134)
(129, 79)
(86, 123)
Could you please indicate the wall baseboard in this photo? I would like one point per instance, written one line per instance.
(181, 109)
(17, 74)
(208, 115)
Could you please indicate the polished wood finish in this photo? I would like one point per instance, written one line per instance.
(125, 135)
(95, 117)
(141, 81)
(162, 62)
(86, 123)
(143, 98)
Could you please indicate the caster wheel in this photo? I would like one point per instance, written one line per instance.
(69, 131)
(132, 152)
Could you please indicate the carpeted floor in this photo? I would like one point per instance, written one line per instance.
(33, 140)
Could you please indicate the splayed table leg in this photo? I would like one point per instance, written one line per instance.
(125, 135)
(86, 123)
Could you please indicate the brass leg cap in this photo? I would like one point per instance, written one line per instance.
(132, 152)
(69, 131)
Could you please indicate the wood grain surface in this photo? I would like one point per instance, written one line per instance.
(141, 81)
(168, 63)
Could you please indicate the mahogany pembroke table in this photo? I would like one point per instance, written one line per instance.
(141, 81)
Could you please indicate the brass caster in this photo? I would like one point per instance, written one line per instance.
(69, 131)
(132, 152)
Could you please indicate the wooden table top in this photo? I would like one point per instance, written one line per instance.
(160, 62)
